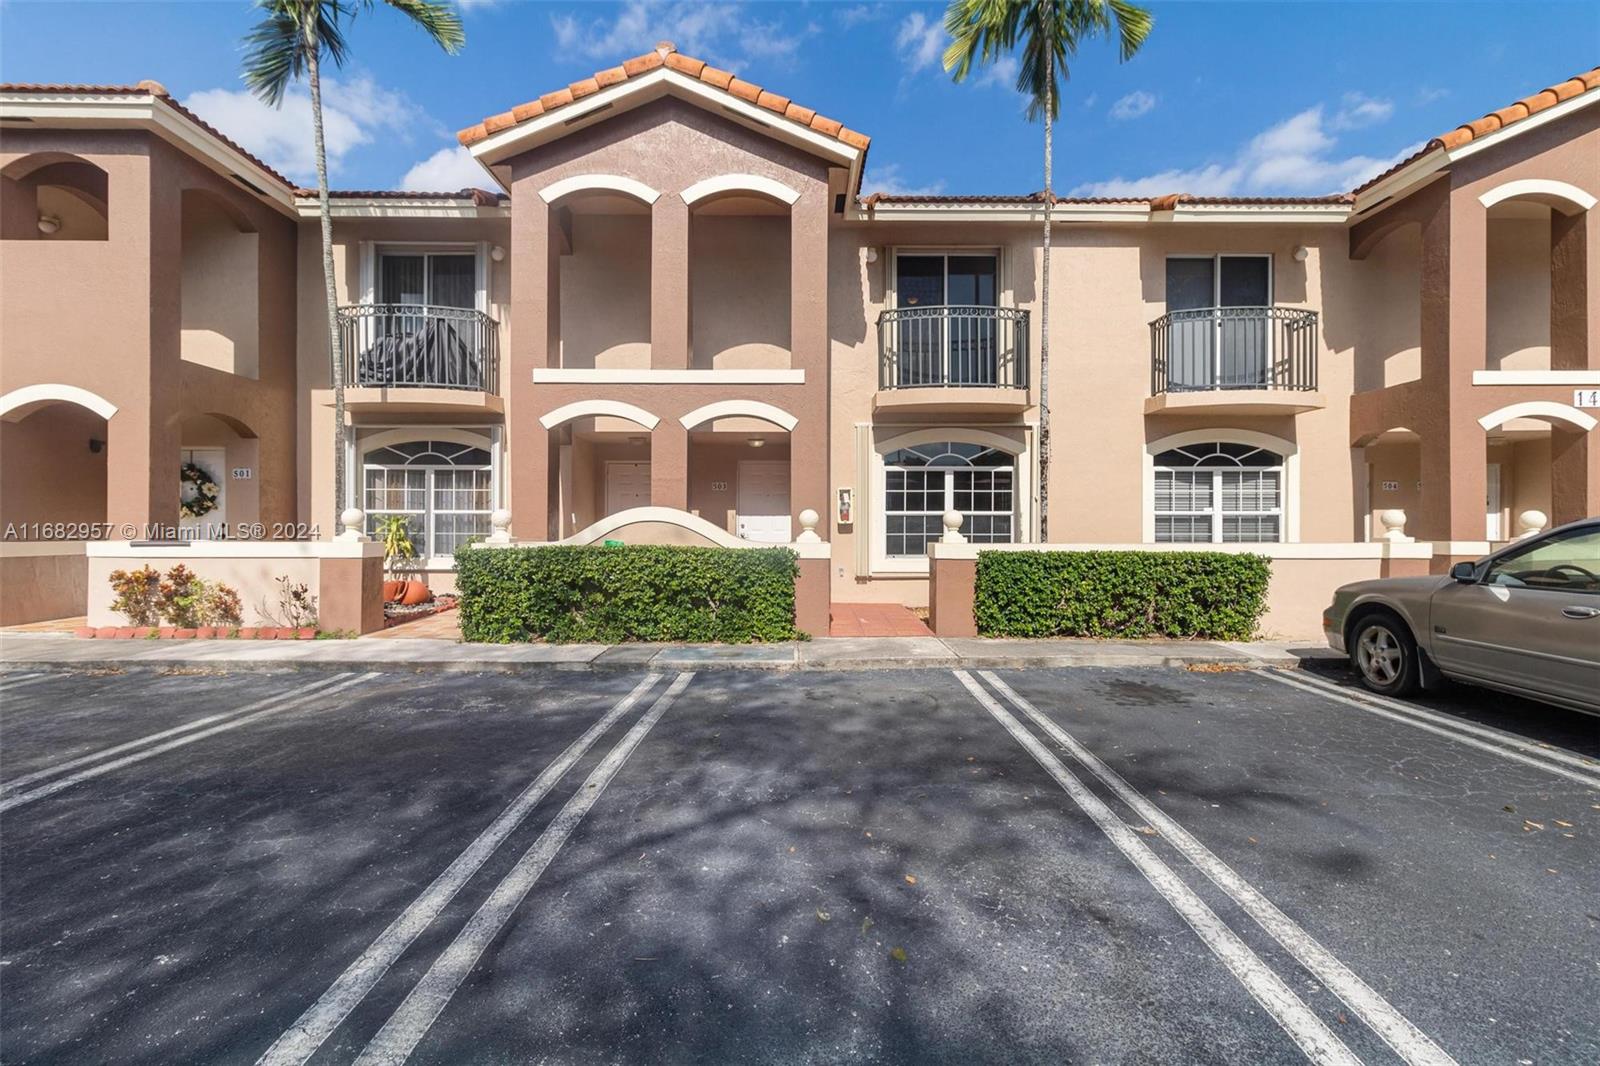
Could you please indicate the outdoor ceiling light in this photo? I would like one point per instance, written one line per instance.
(49, 224)
(757, 442)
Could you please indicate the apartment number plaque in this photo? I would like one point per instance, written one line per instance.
(241, 473)
(1586, 398)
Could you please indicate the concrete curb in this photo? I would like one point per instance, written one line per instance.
(844, 654)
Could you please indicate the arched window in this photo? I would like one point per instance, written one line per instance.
(923, 481)
(1218, 492)
(443, 489)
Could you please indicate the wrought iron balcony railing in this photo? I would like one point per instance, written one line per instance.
(412, 346)
(1213, 348)
(953, 347)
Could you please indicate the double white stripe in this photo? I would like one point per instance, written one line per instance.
(413, 1018)
(1563, 764)
(15, 793)
(1303, 1026)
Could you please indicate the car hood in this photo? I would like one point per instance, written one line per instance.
(1393, 586)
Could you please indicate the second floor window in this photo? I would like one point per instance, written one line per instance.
(956, 343)
(429, 279)
(1220, 335)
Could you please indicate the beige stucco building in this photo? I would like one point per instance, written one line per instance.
(673, 296)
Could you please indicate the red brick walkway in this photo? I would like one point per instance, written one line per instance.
(875, 620)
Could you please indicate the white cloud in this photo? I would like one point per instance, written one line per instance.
(724, 34)
(890, 179)
(1360, 110)
(354, 113)
(1135, 105)
(1002, 73)
(1430, 94)
(921, 42)
(851, 17)
(1298, 156)
(446, 170)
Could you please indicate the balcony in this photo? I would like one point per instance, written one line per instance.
(969, 357)
(424, 356)
(1234, 360)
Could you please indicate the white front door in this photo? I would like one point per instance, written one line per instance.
(627, 485)
(764, 501)
(1491, 504)
(213, 524)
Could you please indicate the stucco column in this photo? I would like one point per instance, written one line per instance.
(528, 455)
(808, 347)
(141, 475)
(669, 465)
(669, 283)
(1574, 473)
(535, 286)
(1570, 310)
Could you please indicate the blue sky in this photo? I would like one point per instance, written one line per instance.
(1225, 99)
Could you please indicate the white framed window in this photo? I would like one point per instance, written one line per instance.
(1218, 492)
(443, 488)
(923, 481)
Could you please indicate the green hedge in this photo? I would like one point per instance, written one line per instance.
(610, 595)
(1200, 594)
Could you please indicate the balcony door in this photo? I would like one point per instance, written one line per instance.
(1219, 335)
(428, 279)
(955, 343)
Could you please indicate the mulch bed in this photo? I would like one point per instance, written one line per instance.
(394, 613)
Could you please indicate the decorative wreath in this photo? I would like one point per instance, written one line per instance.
(204, 498)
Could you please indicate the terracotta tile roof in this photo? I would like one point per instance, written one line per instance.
(1495, 121)
(152, 88)
(1156, 203)
(665, 55)
(479, 197)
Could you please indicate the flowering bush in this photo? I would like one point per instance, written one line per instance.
(138, 594)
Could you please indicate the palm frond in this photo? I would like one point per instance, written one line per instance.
(442, 22)
(277, 49)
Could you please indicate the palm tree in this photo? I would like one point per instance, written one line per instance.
(1047, 32)
(289, 42)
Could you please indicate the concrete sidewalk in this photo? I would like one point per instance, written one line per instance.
(823, 653)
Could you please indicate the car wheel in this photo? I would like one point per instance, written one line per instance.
(1385, 656)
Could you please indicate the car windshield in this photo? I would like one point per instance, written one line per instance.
(1563, 562)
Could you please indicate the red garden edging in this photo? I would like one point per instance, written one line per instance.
(203, 633)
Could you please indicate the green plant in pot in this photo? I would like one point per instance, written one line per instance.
(399, 558)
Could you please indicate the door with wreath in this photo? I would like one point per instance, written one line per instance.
(202, 494)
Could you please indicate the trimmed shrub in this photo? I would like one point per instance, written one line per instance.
(565, 594)
(1195, 594)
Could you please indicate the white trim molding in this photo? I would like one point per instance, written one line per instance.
(30, 395)
(190, 550)
(408, 434)
(560, 375)
(751, 183)
(1536, 377)
(1291, 474)
(591, 408)
(1411, 549)
(1548, 410)
(740, 408)
(1543, 190)
(597, 531)
(598, 183)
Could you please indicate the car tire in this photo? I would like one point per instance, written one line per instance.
(1385, 656)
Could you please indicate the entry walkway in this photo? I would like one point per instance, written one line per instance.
(875, 620)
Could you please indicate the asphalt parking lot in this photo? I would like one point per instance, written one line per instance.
(1089, 865)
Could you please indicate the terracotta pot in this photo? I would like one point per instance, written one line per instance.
(391, 590)
(415, 592)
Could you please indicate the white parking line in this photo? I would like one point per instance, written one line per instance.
(1502, 744)
(20, 798)
(1407, 1041)
(187, 727)
(412, 1019)
(1308, 1031)
(301, 1040)
(11, 682)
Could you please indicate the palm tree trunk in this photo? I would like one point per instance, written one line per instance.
(1044, 306)
(335, 341)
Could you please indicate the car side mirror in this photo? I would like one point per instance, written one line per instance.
(1466, 573)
